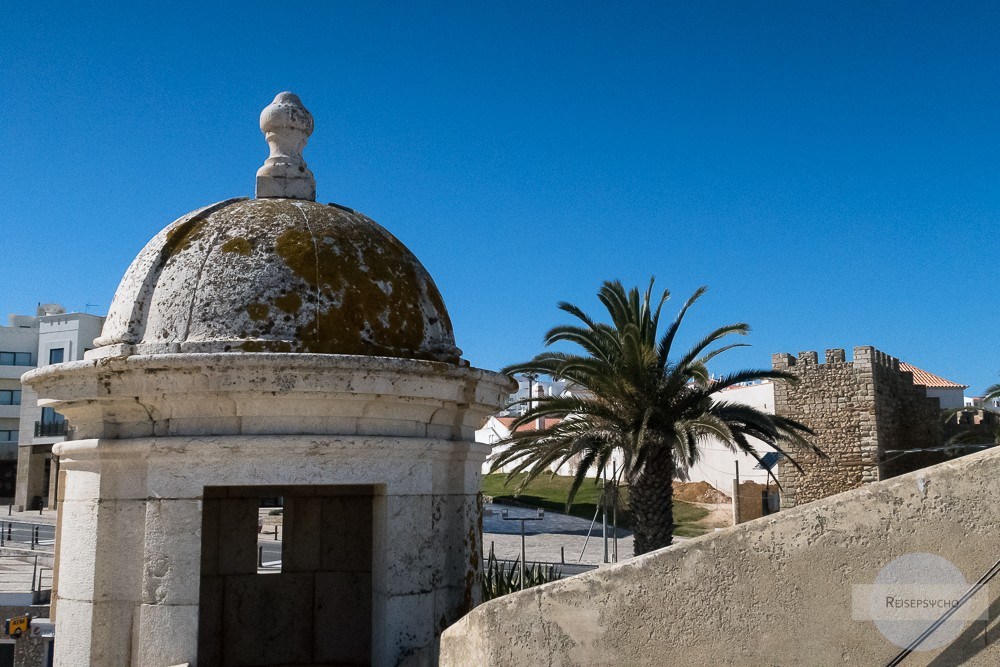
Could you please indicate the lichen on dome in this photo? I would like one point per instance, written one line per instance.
(278, 274)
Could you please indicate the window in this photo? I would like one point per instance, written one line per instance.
(50, 416)
(325, 535)
(10, 397)
(8, 436)
(56, 355)
(15, 358)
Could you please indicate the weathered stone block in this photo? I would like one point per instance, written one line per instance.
(172, 554)
(170, 634)
(346, 534)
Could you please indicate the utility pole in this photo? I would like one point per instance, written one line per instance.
(604, 511)
(614, 508)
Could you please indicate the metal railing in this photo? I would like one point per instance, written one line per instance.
(32, 536)
(915, 644)
(38, 577)
(50, 429)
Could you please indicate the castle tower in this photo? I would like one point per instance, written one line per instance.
(261, 348)
(869, 419)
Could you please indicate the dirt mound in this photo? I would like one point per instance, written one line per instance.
(699, 492)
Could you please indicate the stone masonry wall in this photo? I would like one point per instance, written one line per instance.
(837, 400)
(907, 421)
(858, 410)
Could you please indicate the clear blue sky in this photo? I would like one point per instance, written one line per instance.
(830, 170)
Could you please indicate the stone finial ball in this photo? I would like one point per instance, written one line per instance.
(286, 112)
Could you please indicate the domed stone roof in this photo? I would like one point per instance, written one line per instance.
(279, 273)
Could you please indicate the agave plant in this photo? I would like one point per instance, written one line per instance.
(501, 578)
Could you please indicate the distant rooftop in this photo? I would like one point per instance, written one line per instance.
(530, 426)
(926, 379)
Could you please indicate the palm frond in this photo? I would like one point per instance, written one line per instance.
(666, 343)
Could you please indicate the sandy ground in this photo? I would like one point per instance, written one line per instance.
(720, 515)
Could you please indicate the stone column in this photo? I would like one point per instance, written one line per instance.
(53, 480)
(30, 474)
(167, 627)
(99, 579)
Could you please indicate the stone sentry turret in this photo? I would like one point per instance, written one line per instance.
(262, 348)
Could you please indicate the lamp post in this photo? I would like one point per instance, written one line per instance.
(532, 378)
(522, 519)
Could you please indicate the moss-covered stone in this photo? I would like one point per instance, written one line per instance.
(258, 311)
(238, 245)
(289, 303)
(320, 279)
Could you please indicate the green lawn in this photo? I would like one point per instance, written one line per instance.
(550, 494)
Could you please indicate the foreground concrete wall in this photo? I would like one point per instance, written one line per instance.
(775, 591)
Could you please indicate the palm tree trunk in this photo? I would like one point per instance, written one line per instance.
(651, 502)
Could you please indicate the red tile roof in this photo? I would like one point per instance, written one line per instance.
(530, 426)
(926, 379)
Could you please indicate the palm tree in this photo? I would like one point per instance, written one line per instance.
(638, 400)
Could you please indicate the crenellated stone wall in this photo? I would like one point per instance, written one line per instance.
(864, 413)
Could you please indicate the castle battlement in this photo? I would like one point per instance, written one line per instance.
(865, 356)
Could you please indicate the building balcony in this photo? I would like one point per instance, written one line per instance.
(50, 429)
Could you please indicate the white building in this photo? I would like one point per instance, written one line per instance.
(18, 353)
(498, 428)
(717, 464)
(979, 402)
(531, 386)
(951, 394)
(28, 430)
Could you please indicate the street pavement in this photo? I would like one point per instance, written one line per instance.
(557, 538)
(22, 575)
(22, 530)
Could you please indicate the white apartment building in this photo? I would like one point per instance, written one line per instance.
(980, 402)
(28, 472)
(532, 386)
(18, 354)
